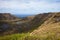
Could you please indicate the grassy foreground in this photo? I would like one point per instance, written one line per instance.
(14, 36)
(26, 36)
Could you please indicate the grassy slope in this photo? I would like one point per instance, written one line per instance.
(49, 30)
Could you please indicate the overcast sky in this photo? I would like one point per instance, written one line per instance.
(29, 6)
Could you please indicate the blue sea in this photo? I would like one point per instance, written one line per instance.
(21, 16)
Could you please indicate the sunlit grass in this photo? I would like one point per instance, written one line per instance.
(27, 36)
(14, 36)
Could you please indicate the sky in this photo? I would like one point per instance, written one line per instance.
(29, 6)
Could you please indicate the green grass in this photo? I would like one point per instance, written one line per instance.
(26, 36)
(14, 36)
(51, 36)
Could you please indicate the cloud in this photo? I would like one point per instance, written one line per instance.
(29, 6)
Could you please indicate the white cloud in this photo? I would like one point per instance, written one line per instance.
(29, 6)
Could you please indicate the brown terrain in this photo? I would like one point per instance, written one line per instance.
(38, 25)
(50, 28)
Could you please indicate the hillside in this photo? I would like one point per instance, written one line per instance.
(45, 26)
(7, 16)
(10, 24)
(28, 24)
(50, 28)
(37, 21)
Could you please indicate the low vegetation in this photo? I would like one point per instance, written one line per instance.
(14, 36)
(27, 36)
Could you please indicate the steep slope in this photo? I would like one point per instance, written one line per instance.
(37, 21)
(50, 28)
